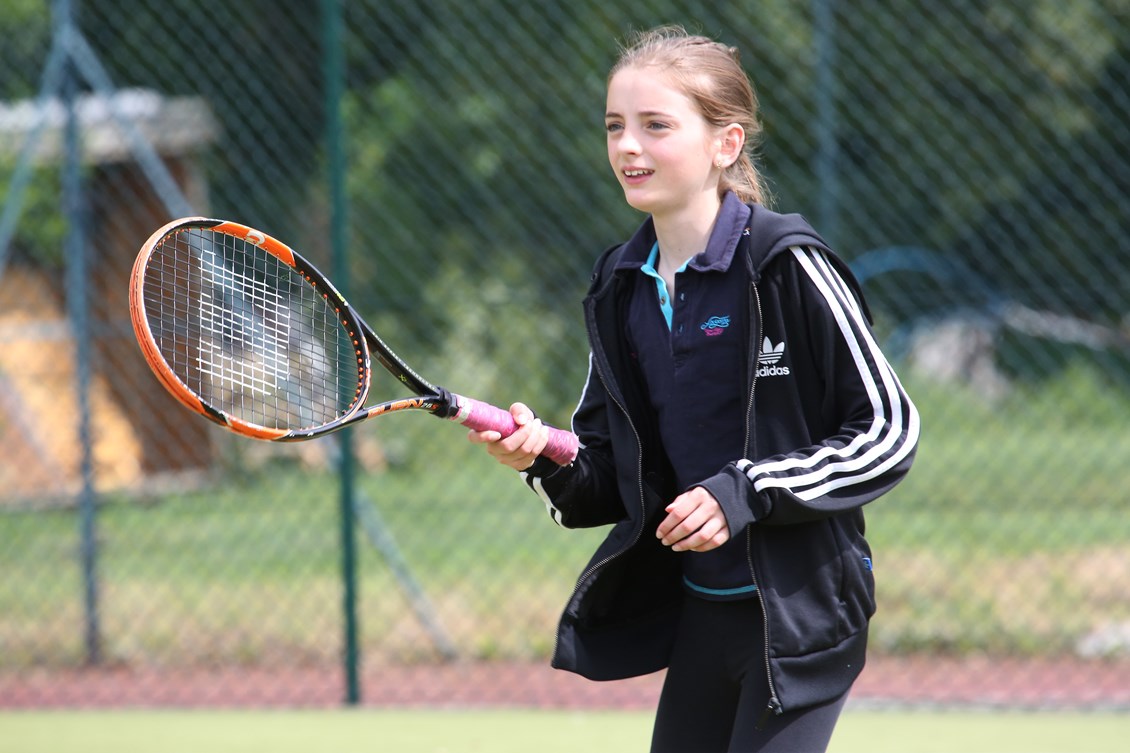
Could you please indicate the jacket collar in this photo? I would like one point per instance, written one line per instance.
(760, 232)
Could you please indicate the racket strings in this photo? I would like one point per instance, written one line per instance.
(247, 333)
(260, 326)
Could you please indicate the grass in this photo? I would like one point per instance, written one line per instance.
(522, 731)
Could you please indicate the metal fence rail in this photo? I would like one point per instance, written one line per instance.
(970, 159)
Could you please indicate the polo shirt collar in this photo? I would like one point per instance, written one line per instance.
(733, 218)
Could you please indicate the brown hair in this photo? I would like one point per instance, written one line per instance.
(711, 75)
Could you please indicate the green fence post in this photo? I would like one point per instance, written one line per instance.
(827, 120)
(78, 307)
(334, 62)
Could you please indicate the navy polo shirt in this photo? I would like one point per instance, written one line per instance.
(693, 356)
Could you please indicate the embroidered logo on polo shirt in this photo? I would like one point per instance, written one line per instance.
(769, 357)
(715, 325)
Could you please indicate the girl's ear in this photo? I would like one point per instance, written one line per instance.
(730, 143)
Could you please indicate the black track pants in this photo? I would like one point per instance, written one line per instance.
(716, 694)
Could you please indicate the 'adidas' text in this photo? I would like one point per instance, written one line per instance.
(768, 371)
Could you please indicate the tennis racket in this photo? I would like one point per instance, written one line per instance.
(244, 331)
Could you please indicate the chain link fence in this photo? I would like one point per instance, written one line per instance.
(970, 159)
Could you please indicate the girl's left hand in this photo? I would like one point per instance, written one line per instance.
(695, 523)
(520, 449)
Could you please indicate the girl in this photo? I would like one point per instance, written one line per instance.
(737, 416)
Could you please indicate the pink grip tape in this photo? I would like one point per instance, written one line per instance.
(480, 416)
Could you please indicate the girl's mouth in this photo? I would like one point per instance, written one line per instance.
(635, 175)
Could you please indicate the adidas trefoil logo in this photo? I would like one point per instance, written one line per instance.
(768, 358)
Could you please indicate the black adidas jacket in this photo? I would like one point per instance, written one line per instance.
(833, 434)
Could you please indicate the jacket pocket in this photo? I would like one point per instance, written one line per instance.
(857, 591)
(802, 578)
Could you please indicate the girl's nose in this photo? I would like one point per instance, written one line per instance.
(628, 143)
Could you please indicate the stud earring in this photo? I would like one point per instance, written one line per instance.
(719, 163)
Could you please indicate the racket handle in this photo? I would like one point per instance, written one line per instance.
(480, 416)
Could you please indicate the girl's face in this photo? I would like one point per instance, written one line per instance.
(659, 145)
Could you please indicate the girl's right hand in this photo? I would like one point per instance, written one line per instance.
(520, 449)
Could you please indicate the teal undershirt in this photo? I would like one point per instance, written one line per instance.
(650, 268)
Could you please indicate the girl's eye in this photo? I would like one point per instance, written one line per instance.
(656, 125)
(613, 127)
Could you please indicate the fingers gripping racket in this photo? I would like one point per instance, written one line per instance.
(243, 330)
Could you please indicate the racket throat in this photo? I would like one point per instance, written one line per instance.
(449, 406)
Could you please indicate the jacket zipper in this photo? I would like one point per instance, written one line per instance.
(774, 701)
(639, 477)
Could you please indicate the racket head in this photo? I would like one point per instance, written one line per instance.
(243, 330)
